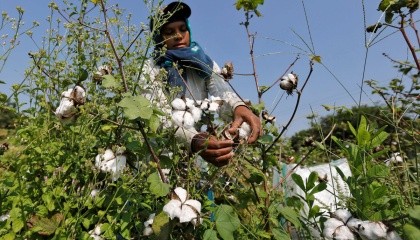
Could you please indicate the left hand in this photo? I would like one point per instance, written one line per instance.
(244, 114)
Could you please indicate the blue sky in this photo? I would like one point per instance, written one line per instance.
(336, 30)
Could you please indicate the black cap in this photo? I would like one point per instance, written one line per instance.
(176, 11)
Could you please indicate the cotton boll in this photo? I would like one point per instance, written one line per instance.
(66, 109)
(94, 193)
(190, 103)
(173, 208)
(181, 194)
(196, 114)
(188, 120)
(342, 214)
(4, 217)
(205, 104)
(330, 226)
(178, 117)
(108, 155)
(372, 230)
(150, 220)
(79, 95)
(178, 104)
(393, 236)
(213, 106)
(147, 231)
(343, 233)
(244, 130)
(354, 224)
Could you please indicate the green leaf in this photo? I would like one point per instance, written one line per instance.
(378, 171)
(210, 234)
(363, 135)
(319, 188)
(157, 187)
(316, 58)
(227, 221)
(312, 179)
(280, 234)
(109, 81)
(290, 215)
(299, 181)
(136, 107)
(17, 224)
(414, 214)
(161, 226)
(265, 139)
(411, 232)
(82, 75)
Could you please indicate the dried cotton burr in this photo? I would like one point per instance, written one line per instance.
(289, 82)
(102, 71)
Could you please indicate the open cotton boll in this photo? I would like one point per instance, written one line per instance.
(342, 214)
(79, 95)
(189, 211)
(372, 230)
(196, 113)
(190, 103)
(244, 130)
(205, 104)
(66, 109)
(173, 208)
(354, 224)
(343, 232)
(108, 162)
(178, 117)
(330, 226)
(178, 104)
(188, 120)
(393, 236)
(181, 194)
(4, 217)
(213, 106)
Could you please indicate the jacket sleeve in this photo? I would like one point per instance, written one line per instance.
(218, 87)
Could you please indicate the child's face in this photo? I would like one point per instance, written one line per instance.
(176, 35)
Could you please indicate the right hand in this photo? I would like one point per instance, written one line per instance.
(214, 151)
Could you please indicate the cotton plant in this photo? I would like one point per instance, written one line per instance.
(111, 163)
(184, 209)
(342, 225)
(70, 99)
(148, 225)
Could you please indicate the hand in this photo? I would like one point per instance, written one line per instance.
(217, 152)
(244, 114)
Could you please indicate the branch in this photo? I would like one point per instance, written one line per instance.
(299, 92)
(111, 42)
(304, 158)
(407, 40)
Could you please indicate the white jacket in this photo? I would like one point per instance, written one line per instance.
(152, 85)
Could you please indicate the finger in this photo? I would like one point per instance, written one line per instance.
(235, 125)
(255, 132)
(219, 144)
(215, 153)
(221, 160)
